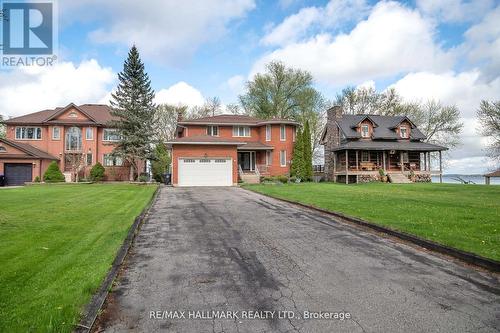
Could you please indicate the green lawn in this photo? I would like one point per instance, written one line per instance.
(57, 244)
(465, 217)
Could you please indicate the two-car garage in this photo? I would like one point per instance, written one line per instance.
(205, 172)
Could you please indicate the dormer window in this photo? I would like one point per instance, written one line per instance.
(365, 131)
(213, 130)
(403, 132)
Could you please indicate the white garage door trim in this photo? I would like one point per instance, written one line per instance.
(210, 171)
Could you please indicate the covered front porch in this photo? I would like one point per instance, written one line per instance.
(356, 165)
(254, 160)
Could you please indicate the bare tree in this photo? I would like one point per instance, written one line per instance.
(76, 162)
(166, 117)
(489, 120)
(2, 127)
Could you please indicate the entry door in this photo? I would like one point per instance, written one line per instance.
(205, 172)
(17, 173)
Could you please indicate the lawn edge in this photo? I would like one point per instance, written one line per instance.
(468, 257)
(93, 308)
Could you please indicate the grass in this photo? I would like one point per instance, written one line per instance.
(57, 244)
(465, 217)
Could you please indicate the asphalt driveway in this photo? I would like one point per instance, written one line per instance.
(204, 252)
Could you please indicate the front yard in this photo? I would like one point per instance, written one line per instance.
(465, 217)
(57, 244)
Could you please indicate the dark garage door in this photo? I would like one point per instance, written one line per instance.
(17, 173)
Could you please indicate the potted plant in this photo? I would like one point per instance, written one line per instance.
(383, 176)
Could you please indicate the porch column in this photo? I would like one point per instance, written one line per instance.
(383, 160)
(425, 161)
(429, 161)
(346, 166)
(357, 164)
(401, 161)
(334, 166)
(440, 168)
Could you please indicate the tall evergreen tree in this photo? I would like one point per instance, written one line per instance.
(133, 105)
(298, 157)
(307, 153)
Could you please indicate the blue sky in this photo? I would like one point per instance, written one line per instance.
(447, 50)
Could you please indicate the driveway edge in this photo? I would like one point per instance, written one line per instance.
(470, 258)
(93, 309)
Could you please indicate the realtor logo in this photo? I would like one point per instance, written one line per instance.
(28, 29)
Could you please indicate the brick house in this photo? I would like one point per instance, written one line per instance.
(357, 146)
(219, 150)
(65, 134)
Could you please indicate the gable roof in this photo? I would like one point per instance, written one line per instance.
(235, 119)
(384, 129)
(98, 114)
(493, 174)
(29, 149)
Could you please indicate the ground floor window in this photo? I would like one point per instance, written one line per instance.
(89, 159)
(110, 160)
(365, 156)
(283, 158)
(269, 157)
(405, 157)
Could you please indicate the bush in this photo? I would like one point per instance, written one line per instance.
(97, 172)
(294, 179)
(282, 179)
(381, 172)
(143, 178)
(37, 179)
(53, 174)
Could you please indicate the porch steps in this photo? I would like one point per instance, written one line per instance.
(398, 178)
(250, 178)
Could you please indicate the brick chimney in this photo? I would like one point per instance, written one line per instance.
(332, 138)
(179, 116)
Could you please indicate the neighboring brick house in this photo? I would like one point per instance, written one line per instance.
(219, 150)
(358, 146)
(65, 134)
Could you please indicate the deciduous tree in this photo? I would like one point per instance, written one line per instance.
(489, 120)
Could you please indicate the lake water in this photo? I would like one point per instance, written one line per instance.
(478, 179)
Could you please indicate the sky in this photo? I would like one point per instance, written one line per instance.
(447, 50)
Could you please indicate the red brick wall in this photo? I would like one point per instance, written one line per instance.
(222, 151)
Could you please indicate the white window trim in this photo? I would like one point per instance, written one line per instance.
(282, 133)
(210, 133)
(269, 158)
(401, 132)
(113, 159)
(53, 131)
(91, 133)
(367, 131)
(87, 159)
(294, 133)
(237, 135)
(20, 139)
(269, 130)
(104, 130)
(282, 153)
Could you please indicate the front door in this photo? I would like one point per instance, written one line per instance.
(246, 160)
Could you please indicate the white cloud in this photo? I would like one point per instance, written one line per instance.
(454, 10)
(164, 31)
(236, 84)
(332, 15)
(392, 40)
(30, 89)
(180, 93)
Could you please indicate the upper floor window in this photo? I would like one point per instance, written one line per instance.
(268, 132)
(294, 133)
(213, 130)
(3, 149)
(111, 134)
(283, 132)
(89, 133)
(56, 133)
(403, 132)
(74, 138)
(109, 160)
(365, 131)
(241, 131)
(28, 133)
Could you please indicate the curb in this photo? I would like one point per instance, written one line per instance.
(470, 258)
(94, 306)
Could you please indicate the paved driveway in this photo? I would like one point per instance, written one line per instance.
(226, 249)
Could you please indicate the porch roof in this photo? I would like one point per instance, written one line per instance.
(255, 145)
(389, 145)
(28, 149)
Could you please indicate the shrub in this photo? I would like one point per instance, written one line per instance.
(381, 172)
(143, 178)
(282, 179)
(53, 174)
(293, 179)
(97, 172)
(37, 179)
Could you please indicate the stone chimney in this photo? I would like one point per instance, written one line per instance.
(332, 138)
(179, 116)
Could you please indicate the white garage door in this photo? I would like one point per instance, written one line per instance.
(205, 172)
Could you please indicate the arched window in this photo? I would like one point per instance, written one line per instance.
(74, 138)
